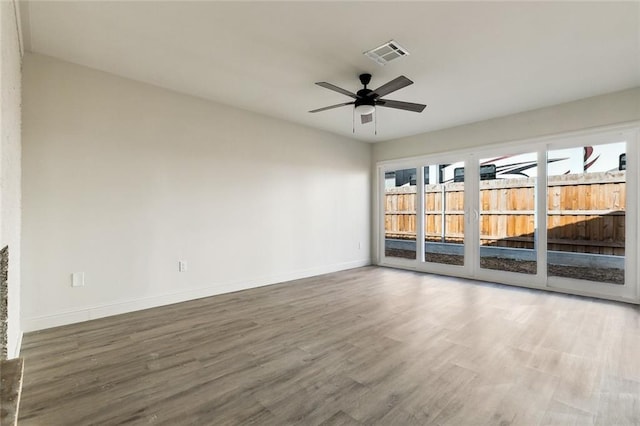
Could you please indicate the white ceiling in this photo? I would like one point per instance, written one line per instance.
(469, 60)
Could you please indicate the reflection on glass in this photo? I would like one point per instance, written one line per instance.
(586, 203)
(400, 214)
(444, 213)
(507, 213)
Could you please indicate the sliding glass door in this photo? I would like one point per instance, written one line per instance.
(400, 231)
(425, 216)
(592, 214)
(556, 214)
(586, 213)
(507, 218)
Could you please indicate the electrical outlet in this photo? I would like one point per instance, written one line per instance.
(77, 279)
(360, 246)
(182, 266)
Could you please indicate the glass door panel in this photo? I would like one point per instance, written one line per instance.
(586, 212)
(507, 213)
(444, 213)
(400, 213)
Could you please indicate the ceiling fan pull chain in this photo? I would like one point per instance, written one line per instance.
(353, 121)
(375, 124)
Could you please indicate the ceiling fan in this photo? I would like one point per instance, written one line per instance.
(366, 99)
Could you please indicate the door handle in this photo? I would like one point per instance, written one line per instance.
(476, 215)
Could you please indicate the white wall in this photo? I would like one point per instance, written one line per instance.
(10, 194)
(612, 108)
(122, 179)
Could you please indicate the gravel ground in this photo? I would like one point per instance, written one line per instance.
(607, 275)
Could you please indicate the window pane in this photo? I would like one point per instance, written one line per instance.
(507, 213)
(444, 213)
(400, 214)
(586, 203)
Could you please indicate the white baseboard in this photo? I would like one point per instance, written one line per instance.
(124, 306)
(15, 351)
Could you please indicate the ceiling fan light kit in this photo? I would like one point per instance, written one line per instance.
(365, 109)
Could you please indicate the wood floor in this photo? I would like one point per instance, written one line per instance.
(366, 346)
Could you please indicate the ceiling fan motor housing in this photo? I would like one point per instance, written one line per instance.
(364, 99)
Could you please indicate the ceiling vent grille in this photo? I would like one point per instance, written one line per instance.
(386, 53)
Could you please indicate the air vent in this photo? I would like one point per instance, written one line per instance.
(386, 53)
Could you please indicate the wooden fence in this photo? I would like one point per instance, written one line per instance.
(586, 212)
